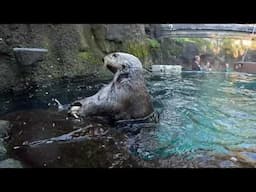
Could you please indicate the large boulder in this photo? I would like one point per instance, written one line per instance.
(49, 139)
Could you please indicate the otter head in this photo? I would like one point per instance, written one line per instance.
(122, 62)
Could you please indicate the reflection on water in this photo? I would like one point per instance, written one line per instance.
(39, 96)
(204, 117)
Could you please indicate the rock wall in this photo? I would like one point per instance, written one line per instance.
(73, 49)
(77, 49)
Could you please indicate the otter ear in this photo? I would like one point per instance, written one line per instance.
(115, 55)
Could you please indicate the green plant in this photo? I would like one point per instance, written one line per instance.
(89, 57)
(153, 43)
(138, 48)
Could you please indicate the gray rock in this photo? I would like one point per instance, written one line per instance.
(121, 32)
(4, 48)
(189, 52)
(29, 56)
(10, 163)
(3, 150)
(250, 56)
(4, 127)
(170, 51)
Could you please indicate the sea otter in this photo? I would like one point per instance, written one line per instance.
(125, 98)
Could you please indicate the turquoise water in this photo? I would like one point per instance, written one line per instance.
(201, 112)
(202, 116)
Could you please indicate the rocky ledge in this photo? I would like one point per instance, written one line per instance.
(6, 162)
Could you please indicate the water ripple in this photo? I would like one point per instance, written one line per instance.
(203, 112)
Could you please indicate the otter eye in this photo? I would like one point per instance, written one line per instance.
(123, 66)
(114, 55)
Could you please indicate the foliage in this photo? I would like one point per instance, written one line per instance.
(153, 43)
(139, 49)
(231, 47)
(203, 44)
(89, 57)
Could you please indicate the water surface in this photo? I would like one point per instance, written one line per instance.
(207, 119)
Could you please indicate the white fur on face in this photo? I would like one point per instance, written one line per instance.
(120, 60)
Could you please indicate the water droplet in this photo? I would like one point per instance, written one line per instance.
(53, 124)
(24, 123)
(46, 93)
(58, 157)
(44, 164)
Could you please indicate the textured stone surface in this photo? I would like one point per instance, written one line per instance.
(29, 56)
(73, 49)
(10, 163)
(3, 150)
(4, 127)
(120, 32)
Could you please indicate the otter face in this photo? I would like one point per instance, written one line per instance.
(122, 62)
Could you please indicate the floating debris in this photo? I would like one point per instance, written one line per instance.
(234, 159)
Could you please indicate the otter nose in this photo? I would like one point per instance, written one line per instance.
(103, 59)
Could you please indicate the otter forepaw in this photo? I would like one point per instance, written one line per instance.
(74, 109)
